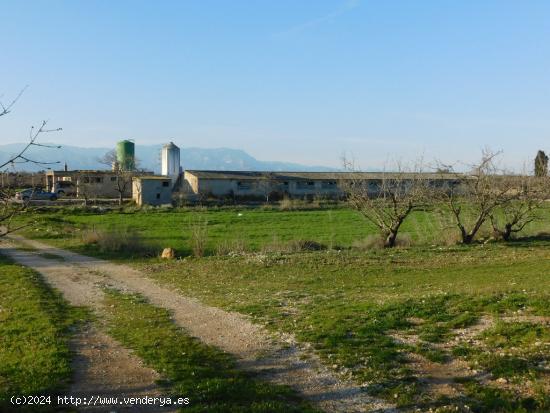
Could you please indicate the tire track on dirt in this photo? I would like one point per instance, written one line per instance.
(255, 349)
(102, 367)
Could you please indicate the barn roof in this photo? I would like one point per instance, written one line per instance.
(335, 176)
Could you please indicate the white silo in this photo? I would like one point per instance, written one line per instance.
(170, 161)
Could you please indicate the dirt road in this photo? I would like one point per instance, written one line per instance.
(81, 279)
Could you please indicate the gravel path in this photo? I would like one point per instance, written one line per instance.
(102, 367)
(81, 277)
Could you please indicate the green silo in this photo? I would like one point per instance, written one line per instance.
(125, 155)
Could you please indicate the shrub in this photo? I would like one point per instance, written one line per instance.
(372, 242)
(199, 236)
(125, 239)
(448, 238)
(404, 240)
(286, 204)
(91, 236)
(229, 247)
(278, 246)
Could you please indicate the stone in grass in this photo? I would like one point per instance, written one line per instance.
(168, 254)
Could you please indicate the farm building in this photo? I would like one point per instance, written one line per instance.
(266, 185)
(152, 190)
(89, 183)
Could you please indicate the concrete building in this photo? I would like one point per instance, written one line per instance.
(22, 179)
(89, 183)
(271, 185)
(152, 190)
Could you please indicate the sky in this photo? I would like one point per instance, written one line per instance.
(288, 80)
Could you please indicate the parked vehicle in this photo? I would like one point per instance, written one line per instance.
(35, 194)
(64, 188)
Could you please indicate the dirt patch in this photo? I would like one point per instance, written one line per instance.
(105, 369)
(440, 379)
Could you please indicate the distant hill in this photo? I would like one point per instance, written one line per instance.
(223, 159)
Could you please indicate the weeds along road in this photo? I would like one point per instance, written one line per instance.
(81, 280)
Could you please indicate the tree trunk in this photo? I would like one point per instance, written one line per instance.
(467, 238)
(391, 239)
(507, 233)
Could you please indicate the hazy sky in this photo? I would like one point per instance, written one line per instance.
(289, 80)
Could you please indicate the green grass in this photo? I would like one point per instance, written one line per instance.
(35, 326)
(513, 350)
(347, 303)
(490, 399)
(254, 228)
(205, 375)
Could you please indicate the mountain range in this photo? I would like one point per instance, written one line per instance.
(148, 157)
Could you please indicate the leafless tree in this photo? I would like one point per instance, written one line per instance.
(524, 199)
(8, 208)
(123, 182)
(86, 187)
(388, 201)
(477, 194)
(268, 184)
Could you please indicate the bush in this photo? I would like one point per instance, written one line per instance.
(286, 204)
(376, 242)
(199, 236)
(372, 242)
(126, 240)
(278, 246)
(230, 247)
(404, 240)
(448, 238)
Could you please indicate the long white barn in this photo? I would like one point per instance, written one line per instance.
(250, 184)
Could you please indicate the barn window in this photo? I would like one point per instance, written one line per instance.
(165, 183)
(243, 185)
(158, 196)
(305, 184)
(328, 184)
(113, 178)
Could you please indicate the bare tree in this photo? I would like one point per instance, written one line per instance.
(524, 199)
(86, 187)
(8, 208)
(477, 194)
(389, 200)
(123, 182)
(268, 184)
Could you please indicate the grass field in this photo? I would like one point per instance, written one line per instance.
(348, 305)
(192, 369)
(251, 229)
(404, 321)
(35, 326)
